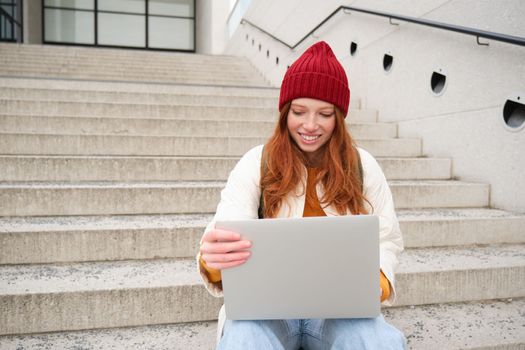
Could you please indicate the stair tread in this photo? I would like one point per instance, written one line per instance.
(54, 156)
(111, 184)
(391, 139)
(258, 139)
(135, 87)
(127, 104)
(94, 276)
(451, 326)
(417, 260)
(468, 325)
(101, 222)
(200, 120)
(434, 183)
(90, 276)
(439, 214)
(207, 184)
(181, 336)
(104, 222)
(224, 123)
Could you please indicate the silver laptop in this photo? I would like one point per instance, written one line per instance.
(317, 267)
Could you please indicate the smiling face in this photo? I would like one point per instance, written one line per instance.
(311, 123)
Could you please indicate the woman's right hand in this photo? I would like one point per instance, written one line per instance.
(222, 249)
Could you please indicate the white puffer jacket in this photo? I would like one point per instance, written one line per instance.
(241, 195)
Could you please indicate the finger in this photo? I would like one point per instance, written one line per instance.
(220, 235)
(224, 258)
(224, 247)
(222, 266)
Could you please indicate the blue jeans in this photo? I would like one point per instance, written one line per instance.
(313, 334)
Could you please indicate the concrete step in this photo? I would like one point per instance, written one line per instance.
(211, 63)
(42, 298)
(126, 57)
(131, 68)
(137, 88)
(9, 93)
(199, 98)
(439, 194)
(456, 274)
(237, 71)
(35, 240)
(105, 198)
(47, 144)
(166, 127)
(456, 227)
(175, 62)
(45, 298)
(491, 324)
(118, 168)
(142, 110)
(81, 53)
(178, 336)
(130, 76)
(145, 110)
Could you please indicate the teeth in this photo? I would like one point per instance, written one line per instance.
(309, 138)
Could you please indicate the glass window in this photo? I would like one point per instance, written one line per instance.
(69, 26)
(171, 33)
(77, 4)
(129, 6)
(6, 29)
(121, 30)
(182, 8)
(9, 9)
(171, 23)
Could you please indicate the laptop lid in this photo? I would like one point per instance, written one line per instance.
(315, 267)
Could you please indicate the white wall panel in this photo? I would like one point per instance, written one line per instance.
(464, 122)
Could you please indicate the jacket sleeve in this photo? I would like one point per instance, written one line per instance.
(239, 200)
(377, 191)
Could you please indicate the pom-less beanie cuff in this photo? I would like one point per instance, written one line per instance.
(316, 74)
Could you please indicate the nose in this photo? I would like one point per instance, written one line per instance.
(310, 123)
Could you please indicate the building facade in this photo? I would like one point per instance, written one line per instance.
(174, 25)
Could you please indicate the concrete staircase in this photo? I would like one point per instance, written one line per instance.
(111, 163)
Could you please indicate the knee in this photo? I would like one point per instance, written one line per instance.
(268, 334)
(366, 334)
(237, 334)
(392, 337)
(387, 336)
(239, 328)
(395, 339)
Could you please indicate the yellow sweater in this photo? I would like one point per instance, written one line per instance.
(312, 207)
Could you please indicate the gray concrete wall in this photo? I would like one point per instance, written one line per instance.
(32, 22)
(464, 122)
(211, 32)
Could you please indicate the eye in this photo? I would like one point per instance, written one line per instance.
(327, 115)
(297, 112)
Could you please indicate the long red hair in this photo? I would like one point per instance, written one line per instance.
(339, 172)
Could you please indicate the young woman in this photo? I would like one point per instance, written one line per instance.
(310, 168)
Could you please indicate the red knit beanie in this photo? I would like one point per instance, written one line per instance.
(316, 74)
